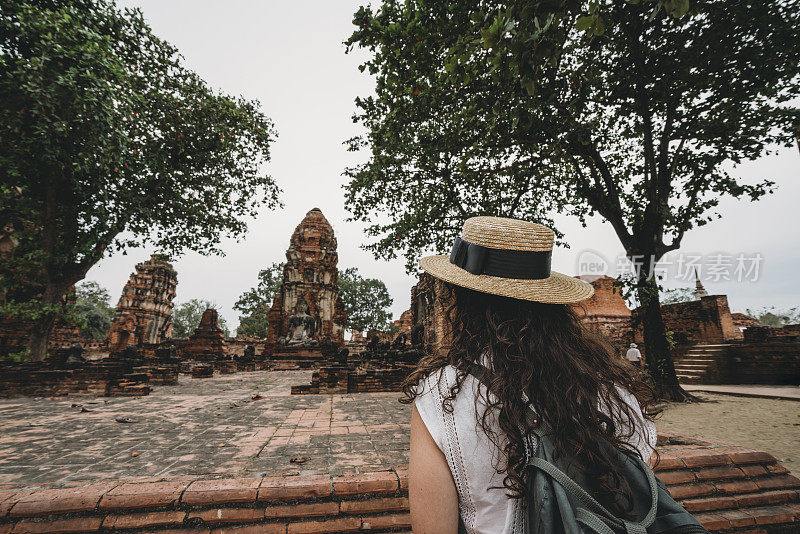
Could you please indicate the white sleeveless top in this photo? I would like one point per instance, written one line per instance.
(482, 501)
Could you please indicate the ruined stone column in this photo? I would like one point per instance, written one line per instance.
(144, 311)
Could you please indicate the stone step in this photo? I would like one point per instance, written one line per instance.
(693, 368)
(705, 353)
(695, 363)
(690, 371)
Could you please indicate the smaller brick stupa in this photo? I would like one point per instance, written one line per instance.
(208, 340)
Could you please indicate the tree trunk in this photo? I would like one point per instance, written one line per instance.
(657, 350)
(42, 326)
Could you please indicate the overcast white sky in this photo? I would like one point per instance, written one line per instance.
(289, 56)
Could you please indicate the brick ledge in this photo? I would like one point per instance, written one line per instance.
(730, 489)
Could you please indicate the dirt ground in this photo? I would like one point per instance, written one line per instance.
(763, 424)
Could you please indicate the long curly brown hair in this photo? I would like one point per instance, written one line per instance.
(567, 372)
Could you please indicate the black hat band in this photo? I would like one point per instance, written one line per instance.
(521, 264)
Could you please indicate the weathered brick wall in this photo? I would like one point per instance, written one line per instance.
(606, 313)
(789, 332)
(404, 323)
(343, 379)
(14, 335)
(707, 320)
(773, 361)
(729, 489)
(429, 302)
(769, 362)
(94, 379)
(237, 345)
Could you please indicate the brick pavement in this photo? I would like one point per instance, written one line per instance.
(201, 427)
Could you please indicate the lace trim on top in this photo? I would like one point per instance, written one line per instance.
(453, 453)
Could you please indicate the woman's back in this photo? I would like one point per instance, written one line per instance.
(472, 456)
(505, 309)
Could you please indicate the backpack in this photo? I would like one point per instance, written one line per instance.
(558, 503)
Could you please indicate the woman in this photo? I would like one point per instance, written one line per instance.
(511, 314)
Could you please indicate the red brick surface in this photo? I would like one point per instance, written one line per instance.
(380, 482)
(228, 515)
(143, 495)
(302, 510)
(285, 488)
(144, 519)
(386, 521)
(10, 500)
(370, 506)
(59, 501)
(270, 528)
(342, 524)
(59, 526)
(221, 491)
(764, 500)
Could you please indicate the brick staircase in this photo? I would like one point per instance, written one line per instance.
(700, 364)
(729, 489)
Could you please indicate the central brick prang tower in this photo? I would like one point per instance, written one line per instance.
(308, 310)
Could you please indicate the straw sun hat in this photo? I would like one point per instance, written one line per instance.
(507, 257)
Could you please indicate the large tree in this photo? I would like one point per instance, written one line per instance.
(106, 142)
(254, 303)
(366, 301)
(633, 111)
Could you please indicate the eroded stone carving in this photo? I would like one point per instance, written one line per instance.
(144, 311)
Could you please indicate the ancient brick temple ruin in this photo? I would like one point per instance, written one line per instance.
(144, 311)
(606, 311)
(712, 345)
(208, 340)
(308, 311)
(404, 323)
(429, 304)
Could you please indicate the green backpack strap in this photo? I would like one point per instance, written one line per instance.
(595, 516)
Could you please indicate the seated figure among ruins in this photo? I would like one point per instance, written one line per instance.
(301, 326)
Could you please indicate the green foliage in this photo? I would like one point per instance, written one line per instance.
(93, 311)
(676, 295)
(260, 298)
(631, 110)
(186, 316)
(255, 303)
(107, 141)
(776, 318)
(253, 326)
(366, 301)
(671, 339)
(16, 357)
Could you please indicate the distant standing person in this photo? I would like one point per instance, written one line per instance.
(634, 356)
